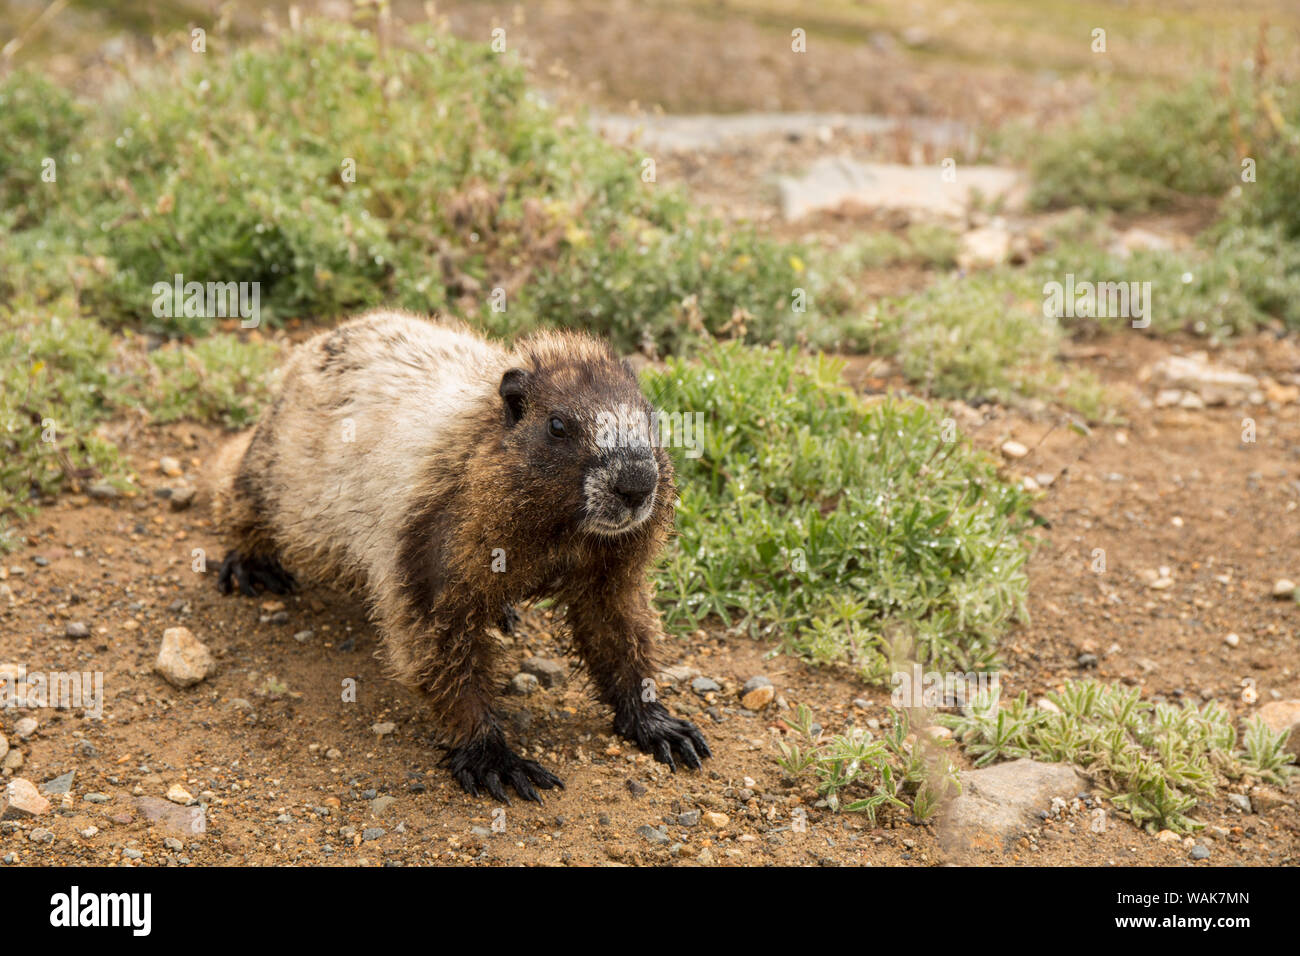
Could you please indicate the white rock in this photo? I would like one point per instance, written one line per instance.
(178, 794)
(1013, 449)
(833, 181)
(1283, 588)
(1232, 640)
(984, 248)
(1279, 715)
(1214, 384)
(22, 799)
(183, 660)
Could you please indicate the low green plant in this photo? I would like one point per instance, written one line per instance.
(928, 245)
(835, 523)
(57, 383)
(860, 773)
(1170, 145)
(1153, 760)
(221, 379)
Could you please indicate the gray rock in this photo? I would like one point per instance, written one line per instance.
(173, 844)
(1240, 801)
(705, 685)
(1200, 852)
(372, 833)
(550, 672)
(60, 784)
(25, 727)
(76, 630)
(654, 834)
(678, 674)
(833, 181)
(754, 683)
(690, 818)
(97, 798)
(132, 854)
(380, 804)
(181, 498)
(636, 788)
(102, 490)
(171, 817)
(1000, 803)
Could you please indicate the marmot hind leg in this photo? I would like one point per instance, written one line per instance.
(251, 565)
(252, 573)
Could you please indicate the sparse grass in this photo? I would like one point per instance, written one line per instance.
(898, 770)
(220, 379)
(984, 336)
(838, 525)
(62, 376)
(1153, 760)
(928, 245)
(56, 385)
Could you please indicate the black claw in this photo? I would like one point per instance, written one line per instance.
(490, 764)
(689, 756)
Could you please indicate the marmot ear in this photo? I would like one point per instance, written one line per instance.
(513, 383)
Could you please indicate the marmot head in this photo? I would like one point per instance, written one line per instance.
(582, 435)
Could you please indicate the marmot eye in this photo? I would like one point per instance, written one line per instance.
(556, 427)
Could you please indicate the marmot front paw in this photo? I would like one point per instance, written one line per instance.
(491, 764)
(652, 728)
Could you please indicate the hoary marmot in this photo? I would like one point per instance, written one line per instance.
(446, 478)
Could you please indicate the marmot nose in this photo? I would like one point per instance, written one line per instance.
(636, 482)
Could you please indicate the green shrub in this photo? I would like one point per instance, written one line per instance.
(38, 121)
(238, 167)
(1172, 144)
(839, 526)
(220, 379)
